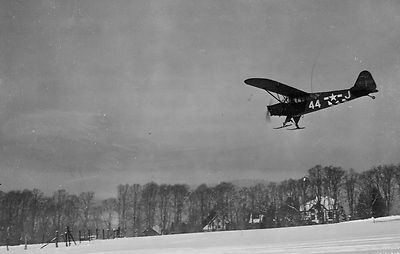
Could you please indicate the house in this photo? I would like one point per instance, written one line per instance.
(151, 231)
(256, 218)
(215, 222)
(319, 211)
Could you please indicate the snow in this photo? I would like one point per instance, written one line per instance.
(379, 236)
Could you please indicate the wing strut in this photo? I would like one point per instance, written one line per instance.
(277, 97)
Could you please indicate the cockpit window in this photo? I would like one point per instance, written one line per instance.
(314, 96)
(300, 99)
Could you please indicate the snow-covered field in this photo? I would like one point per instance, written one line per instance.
(368, 236)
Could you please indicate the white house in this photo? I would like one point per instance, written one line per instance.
(318, 211)
(256, 218)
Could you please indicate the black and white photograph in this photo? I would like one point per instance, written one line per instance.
(199, 126)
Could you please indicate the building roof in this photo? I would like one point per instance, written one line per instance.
(326, 202)
(151, 231)
(210, 218)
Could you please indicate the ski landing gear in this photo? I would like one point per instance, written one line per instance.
(287, 123)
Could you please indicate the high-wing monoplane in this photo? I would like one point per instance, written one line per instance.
(293, 103)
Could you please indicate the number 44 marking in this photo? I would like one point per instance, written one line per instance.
(315, 104)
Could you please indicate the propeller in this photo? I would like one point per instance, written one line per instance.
(267, 113)
(267, 116)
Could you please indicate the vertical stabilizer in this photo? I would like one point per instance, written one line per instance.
(364, 85)
(365, 82)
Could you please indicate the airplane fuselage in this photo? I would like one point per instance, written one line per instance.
(313, 102)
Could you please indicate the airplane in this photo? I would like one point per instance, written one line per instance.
(294, 103)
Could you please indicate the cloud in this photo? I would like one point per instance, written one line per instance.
(62, 140)
(155, 90)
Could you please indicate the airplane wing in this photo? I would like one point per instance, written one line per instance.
(275, 87)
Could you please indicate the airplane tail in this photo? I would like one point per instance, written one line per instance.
(364, 85)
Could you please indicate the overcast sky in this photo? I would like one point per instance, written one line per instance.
(98, 93)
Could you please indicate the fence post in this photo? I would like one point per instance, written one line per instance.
(103, 234)
(26, 243)
(80, 236)
(66, 239)
(69, 236)
(97, 233)
(89, 234)
(8, 238)
(56, 239)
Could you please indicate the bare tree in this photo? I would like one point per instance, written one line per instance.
(59, 201)
(242, 209)
(303, 185)
(260, 197)
(292, 189)
(180, 193)
(45, 210)
(123, 195)
(385, 178)
(332, 180)
(203, 193)
(34, 210)
(149, 203)
(134, 211)
(96, 216)
(225, 193)
(71, 212)
(200, 204)
(85, 206)
(397, 175)
(316, 177)
(350, 182)
(164, 206)
(109, 209)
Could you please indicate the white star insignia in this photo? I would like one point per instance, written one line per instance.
(333, 97)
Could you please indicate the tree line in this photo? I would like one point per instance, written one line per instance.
(177, 208)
